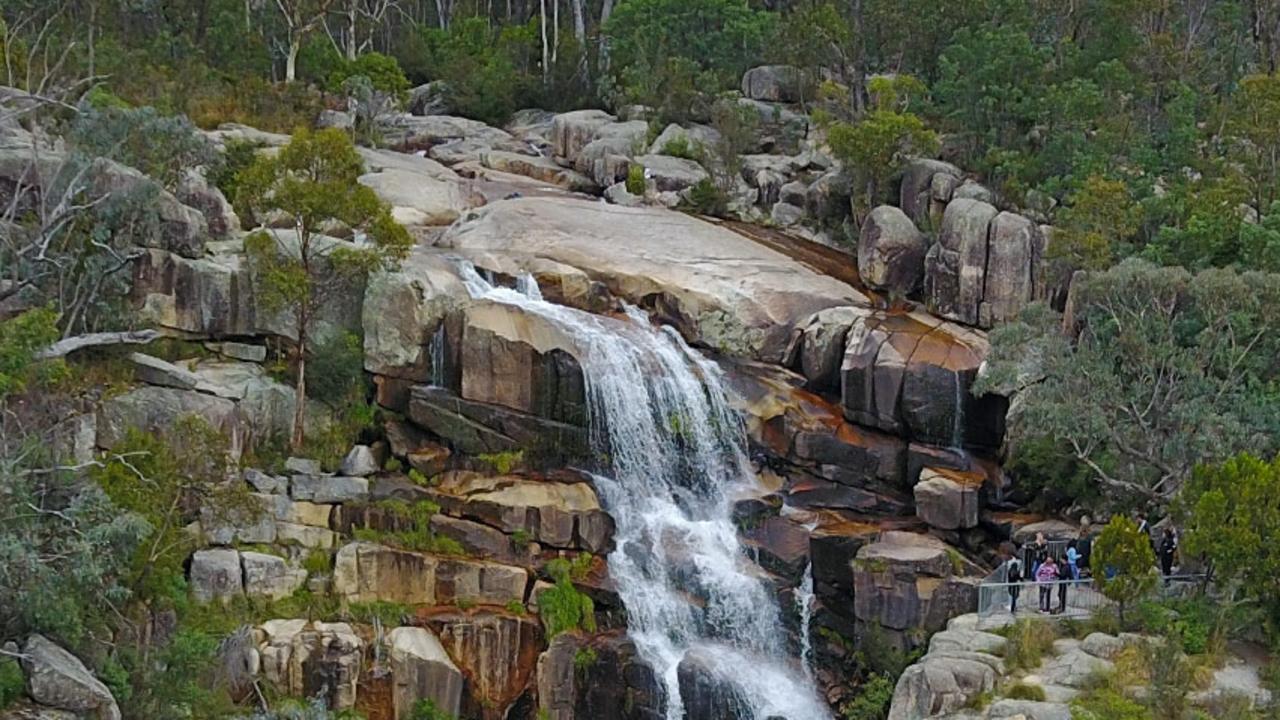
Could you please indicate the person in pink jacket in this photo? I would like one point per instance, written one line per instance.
(1046, 574)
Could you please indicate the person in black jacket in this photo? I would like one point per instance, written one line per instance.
(1013, 576)
(1168, 550)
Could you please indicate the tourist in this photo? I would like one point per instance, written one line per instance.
(1046, 574)
(1013, 576)
(1039, 550)
(1168, 549)
(1073, 561)
(1065, 579)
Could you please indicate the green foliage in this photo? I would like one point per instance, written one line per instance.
(170, 481)
(562, 607)
(668, 53)
(584, 659)
(680, 146)
(1214, 395)
(313, 180)
(426, 710)
(336, 367)
(12, 682)
(1125, 565)
(1098, 226)
(872, 701)
(635, 180)
(705, 198)
(21, 338)
(515, 607)
(237, 156)
(317, 562)
(502, 462)
(1027, 641)
(384, 73)
(874, 148)
(1107, 704)
(161, 147)
(521, 538)
(174, 683)
(416, 533)
(390, 614)
(393, 465)
(1025, 691)
(1230, 513)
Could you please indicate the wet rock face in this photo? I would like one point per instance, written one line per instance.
(615, 684)
(708, 692)
(478, 428)
(910, 585)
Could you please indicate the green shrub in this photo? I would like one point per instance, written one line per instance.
(383, 72)
(160, 146)
(681, 147)
(584, 659)
(393, 465)
(872, 701)
(417, 478)
(236, 156)
(635, 180)
(335, 367)
(317, 562)
(515, 607)
(426, 710)
(705, 198)
(562, 607)
(1025, 691)
(502, 462)
(390, 614)
(1107, 704)
(12, 684)
(1028, 641)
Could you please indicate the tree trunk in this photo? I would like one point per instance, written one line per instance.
(351, 30)
(555, 31)
(291, 61)
(579, 22)
(546, 53)
(300, 399)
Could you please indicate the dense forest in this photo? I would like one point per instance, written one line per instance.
(1141, 136)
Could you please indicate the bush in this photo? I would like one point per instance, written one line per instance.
(562, 607)
(872, 701)
(707, 199)
(1107, 704)
(635, 180)
(681, 147)
(1028, 641)
(335, 367)
(236, 156)
(12, 684)
(383, 71)
(1025, 691)
(161, 147)
(426, 710)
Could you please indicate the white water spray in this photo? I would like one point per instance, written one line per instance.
(674, 451)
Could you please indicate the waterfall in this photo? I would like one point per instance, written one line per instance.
(435, 350)
(672, 452)
(804, 607)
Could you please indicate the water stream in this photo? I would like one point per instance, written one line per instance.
(673, 451)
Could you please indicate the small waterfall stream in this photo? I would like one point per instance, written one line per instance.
(804, 607)
(672, 451)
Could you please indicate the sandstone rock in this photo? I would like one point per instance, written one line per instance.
(970, 190)
(305, 535)
(497, 653)
(533, 125)
(478, 540)
(302, 466)
(241, 351)
(559, 514)
(781, 129)
(154, 371)
(317, 660)
(1073, 668)
(270, 576)
(478, 428)
(697, 138)
(1052, 529)
(732, 293)
(1102, 645)
(479, 582)
(196, 192)
(786, 215)
(539, 168)
(430, 460)
(618, 194)
(817, 346)
(572, 131)
(942, 684)
(891, 252)
(1029, 710)
(617, 685)
(23, 709)
(328, 488)
(948, 499)
(1012, 256)
(248, 524)
(411, 132)
(920, 198)
(403, 310)
(774, 83)
(58, 679)
(421, 670)
(419, 200)
(606, 158)
(671, 173)
(243, 133)
(210, 296)
(906, 581)
(335, 119)
(950, 640)
(359, 462)
(181, 229)
(159, 409)
(365, 572)
(708, 689)
(215, 574)
(429, 99)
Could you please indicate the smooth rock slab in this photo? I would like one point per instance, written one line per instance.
(422, 670)
(216, 575)
(270, 576)
(328, 488)
(58, 679)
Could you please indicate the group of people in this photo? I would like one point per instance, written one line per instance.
(1037, 564)
(1047, 570)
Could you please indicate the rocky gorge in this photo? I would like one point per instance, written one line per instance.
(746, 445)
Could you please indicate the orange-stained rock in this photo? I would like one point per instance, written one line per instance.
(497, 653)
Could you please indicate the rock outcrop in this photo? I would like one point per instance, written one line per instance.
(911, 585)
(57, 679)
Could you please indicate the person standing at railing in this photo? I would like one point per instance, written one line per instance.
(1065, 577)
(1046, 574)
(1168, 550)
(1013, 576)
(1073, 561)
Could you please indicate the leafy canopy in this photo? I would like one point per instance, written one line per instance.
(1124, 561)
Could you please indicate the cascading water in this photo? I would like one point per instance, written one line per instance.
(436, 352)
(673, 453)
(804, 608)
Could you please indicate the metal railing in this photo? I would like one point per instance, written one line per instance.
(996, 600)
